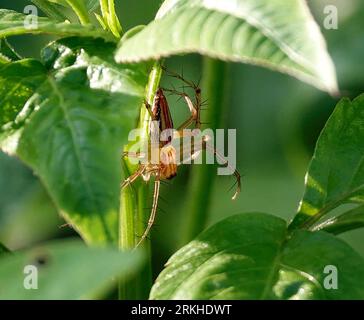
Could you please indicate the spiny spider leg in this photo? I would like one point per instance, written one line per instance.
(190, 84)
(179, 77)
(194, 110)
(157, 184)
(194, 150)
(218, 155)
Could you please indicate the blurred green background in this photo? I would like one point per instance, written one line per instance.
(277, 118)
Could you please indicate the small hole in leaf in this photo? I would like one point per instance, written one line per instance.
(41, 260)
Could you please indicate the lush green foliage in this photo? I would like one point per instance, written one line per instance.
(68, 116)
(12, 23)
(258, 32)
(77, 120)
(255, 256)
(251, 256)
(92, 271)
(336, 173)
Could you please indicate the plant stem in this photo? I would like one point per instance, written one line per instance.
(128, 207)
(104, 5)
(114, 22)
(144, 280)
(110, 17)
(201, 184)
(133, 213)
(144, 277)
(80, 11)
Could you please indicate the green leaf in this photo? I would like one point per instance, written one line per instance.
(278, 34)
(51, 10)
(12, 23)
(250, 256)
(351, 220)
(18, 82)
(90, 5)
(7, 52)
(79, 7)
(66, 270)
(336, 172)
(3, 250)
(78, 123)
(132, 32)
(3, 59)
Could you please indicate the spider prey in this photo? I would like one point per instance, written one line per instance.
(166, 166)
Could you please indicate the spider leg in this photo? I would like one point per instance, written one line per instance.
(193, 108)
(128, 154)
(219, 156)
(133, 177)
(195, 150)
(195, 115)
(149, 109)
(154, 210)
(179, 77)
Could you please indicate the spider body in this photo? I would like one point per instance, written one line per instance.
(165, 168)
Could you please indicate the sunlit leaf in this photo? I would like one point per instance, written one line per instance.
(278, 34)
(18, 83)
(251, 256)
(13, 23)
(52, 10)
(336, 172)
(91, 5)
(7, 52)
(76, 124)
(351, 220)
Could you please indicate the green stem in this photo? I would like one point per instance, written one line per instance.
(104, 5)
(144, 280)
(133, 213)
(144, 277)
(110, 17)
(201, 184)
(80, 11)
(128, 208)
(113, 21)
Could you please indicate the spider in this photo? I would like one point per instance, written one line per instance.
(166, 166)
